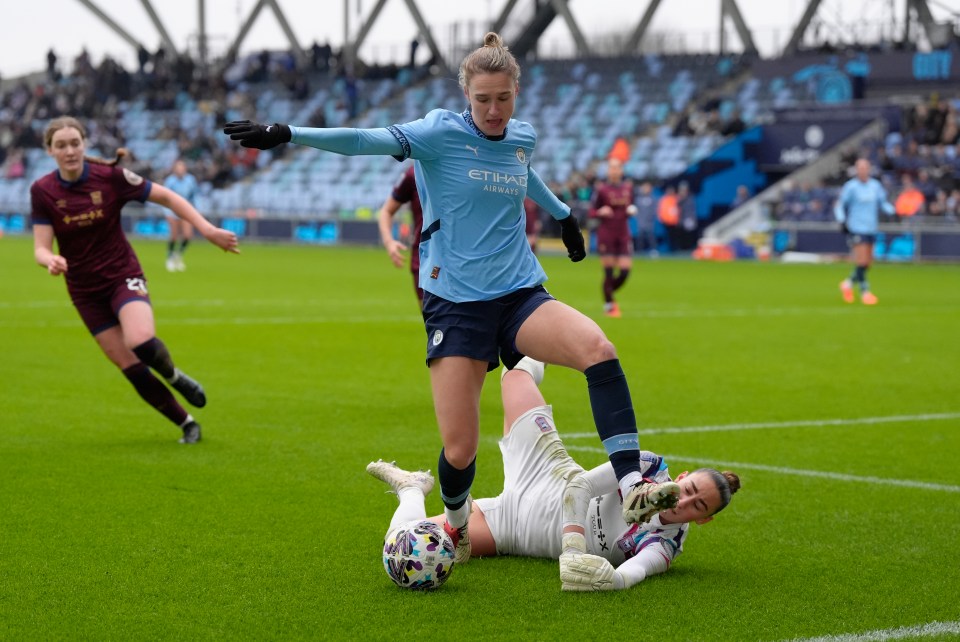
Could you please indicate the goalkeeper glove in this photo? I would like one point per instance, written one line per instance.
(572, 238)
(251, 134)
(585, 572)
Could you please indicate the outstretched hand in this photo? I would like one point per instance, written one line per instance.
(224, 239)
(251, 134)
(585, 572)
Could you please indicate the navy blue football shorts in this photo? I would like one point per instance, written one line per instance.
(856, 239)
(481, 330)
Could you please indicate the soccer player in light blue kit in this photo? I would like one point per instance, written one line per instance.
(483, 295)
(858, 210)
(185, 184)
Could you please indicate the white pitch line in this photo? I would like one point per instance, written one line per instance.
(899, 633)
(735, 465)
(806, 423)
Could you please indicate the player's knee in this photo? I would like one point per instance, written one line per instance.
(597, 349)
(459, 455)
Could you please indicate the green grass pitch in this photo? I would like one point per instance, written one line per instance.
(842, 421)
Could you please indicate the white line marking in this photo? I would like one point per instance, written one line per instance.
(735, 465)
(811, 423)
(899, 633)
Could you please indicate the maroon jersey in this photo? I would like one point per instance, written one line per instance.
(532, 211)
(618, 197)
(85, 216)
(405, 191)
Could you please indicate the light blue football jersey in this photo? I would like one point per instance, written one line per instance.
(186, 187)
(474, 245)
(860, 203)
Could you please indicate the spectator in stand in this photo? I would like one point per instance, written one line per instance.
(910, 201)
(668, 213)
(743, 195)
(646, 219)
(938, 206)
(858, 212)
(688, 214)
(925, 184)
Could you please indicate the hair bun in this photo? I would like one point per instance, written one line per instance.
(492, 39)
(733, 479)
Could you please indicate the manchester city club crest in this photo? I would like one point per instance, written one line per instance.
(521, 155)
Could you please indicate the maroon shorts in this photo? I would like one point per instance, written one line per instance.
(614, 245)
(99, 309)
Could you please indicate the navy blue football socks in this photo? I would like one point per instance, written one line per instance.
(455, 483)
(613, 414)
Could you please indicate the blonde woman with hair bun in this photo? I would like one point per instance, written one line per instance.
(484, 300)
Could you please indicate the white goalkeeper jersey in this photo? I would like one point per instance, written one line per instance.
(651, 545)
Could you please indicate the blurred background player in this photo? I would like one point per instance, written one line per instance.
(532, 213)
(185, 184)
(484, 300)
(404, 191)
(79, 204)
(547, 497)
(612, 207)
(646, 217)
(858, 212)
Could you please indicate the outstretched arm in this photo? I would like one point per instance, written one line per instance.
(542, 196)
(340, 140)
(585, 572)
(224, 239)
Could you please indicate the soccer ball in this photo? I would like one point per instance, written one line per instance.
(418, 555)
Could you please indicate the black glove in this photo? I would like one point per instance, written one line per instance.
(251, 134)
(843, 228)
(572, 238)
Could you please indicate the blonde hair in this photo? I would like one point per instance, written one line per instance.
(493, 57)
(63, 122)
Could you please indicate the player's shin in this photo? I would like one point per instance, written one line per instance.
(615, 420)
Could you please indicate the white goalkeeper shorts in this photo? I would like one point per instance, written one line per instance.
(527, 517)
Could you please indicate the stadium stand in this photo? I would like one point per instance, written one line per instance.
(700, 120)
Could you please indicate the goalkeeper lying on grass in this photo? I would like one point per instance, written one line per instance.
(550, 507)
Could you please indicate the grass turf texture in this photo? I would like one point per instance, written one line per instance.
(313, 364)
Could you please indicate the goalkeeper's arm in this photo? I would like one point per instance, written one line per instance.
(585, 572)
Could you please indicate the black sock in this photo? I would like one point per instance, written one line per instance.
(608, 285)
(171, 246)
(621, 279)
(860, 277)
(155, 393)
(613, 415)
(455, 483)
(154, 353)
(183, 245)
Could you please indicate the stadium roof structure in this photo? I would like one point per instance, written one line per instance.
(525, 31)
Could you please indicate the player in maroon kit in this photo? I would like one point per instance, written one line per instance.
(79, 205)
(532, 211)
(404, 191)
(612, 205)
